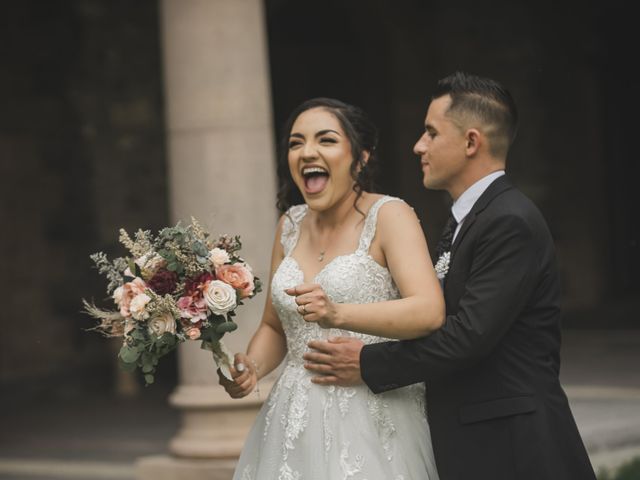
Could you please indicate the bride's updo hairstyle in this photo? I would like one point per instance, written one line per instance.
(362, 134)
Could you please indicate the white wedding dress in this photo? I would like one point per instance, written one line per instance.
(310, 432)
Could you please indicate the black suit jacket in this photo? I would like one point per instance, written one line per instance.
(494, 401)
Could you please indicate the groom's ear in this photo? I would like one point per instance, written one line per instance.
(474, 140)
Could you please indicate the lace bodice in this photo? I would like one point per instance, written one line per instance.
(350, 278)
(312, 432)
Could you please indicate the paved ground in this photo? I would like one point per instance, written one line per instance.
(76, 435)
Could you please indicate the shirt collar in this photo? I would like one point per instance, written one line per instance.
(463, 205)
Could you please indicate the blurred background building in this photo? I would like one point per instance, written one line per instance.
(84, 144)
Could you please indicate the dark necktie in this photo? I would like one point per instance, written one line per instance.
(444, 244)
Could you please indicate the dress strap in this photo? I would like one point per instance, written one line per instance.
(291, 227)
(369, 229)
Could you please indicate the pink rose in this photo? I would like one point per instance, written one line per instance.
(238, 276)
(123, 295)
(195, 309)
(193, 333)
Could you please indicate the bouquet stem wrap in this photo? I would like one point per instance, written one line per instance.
(221, 355)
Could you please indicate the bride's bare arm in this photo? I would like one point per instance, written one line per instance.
(419, 312)
(268, 346)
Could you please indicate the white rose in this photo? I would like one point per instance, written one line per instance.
(117, 295)
(137, 306)
(220, 297)
(218, 257)
(162, 323)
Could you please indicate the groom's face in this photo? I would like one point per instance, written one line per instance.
(441, 147)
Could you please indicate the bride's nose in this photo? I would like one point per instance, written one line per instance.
(309, 151)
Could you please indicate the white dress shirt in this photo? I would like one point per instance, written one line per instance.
(465, 202)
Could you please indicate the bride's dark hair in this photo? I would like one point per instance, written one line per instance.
(362, 134)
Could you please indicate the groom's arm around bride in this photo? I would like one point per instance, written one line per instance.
(494, 401)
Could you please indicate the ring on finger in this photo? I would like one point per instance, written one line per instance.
(304, 310)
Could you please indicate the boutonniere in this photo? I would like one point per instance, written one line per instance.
(442, 265)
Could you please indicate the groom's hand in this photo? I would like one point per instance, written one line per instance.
(335, 362)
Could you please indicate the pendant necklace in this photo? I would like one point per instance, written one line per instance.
(338, 227)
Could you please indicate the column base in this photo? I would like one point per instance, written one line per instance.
(214, 426)
(164, 467)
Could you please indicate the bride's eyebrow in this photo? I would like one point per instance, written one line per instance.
(324, 132)
(297, 135)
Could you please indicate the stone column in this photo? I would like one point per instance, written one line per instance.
(222, 171)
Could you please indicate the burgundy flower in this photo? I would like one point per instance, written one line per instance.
(163, 282)
(193, 286)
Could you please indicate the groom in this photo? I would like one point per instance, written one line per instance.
(494, 401)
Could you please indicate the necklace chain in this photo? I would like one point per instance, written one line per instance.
(338, 227)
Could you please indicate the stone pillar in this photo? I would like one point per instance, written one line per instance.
(221, 171)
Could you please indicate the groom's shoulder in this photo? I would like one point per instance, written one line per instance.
(513, 202)
(513, 198)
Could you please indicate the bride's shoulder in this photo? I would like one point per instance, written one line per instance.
(388, 203)
(294, 214)
(290, 220)
(394, 212)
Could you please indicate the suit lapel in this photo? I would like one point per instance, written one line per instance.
(498, 186)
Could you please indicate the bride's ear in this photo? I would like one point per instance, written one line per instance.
(364, 158)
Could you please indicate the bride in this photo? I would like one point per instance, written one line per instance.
(346, 262)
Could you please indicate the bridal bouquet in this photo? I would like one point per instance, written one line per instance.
(175, 286)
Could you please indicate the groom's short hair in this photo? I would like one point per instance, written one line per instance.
(481, 103)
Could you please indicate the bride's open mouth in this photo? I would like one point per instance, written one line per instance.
(315, 179)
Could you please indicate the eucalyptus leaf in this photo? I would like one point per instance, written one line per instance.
(127, 367)
(199, 249)
(211, 336)
(169, 339)
(226, 327)
(137, 334)
(132, 266)
(128, 355)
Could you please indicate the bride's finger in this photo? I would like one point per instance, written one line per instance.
(304, 299)
(301, 289)
(238, 392)
(244, 385)
(311, 317)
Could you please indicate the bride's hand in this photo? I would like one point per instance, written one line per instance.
(314, 305)
(244, 377)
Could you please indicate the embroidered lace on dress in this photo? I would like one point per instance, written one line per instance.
(306, 431)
